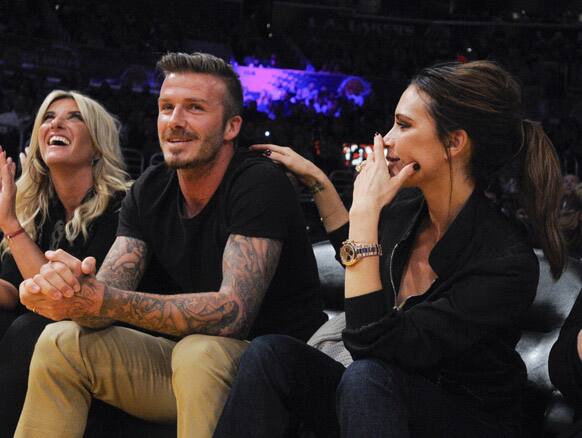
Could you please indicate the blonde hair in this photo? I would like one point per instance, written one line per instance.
(35, 188)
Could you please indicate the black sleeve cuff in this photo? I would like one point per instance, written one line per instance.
(365, 309)
(336, 237)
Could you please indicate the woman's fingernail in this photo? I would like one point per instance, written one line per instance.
(376, 133)
(416, 167)
(267, 153)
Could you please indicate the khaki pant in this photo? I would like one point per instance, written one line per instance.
(146, 376)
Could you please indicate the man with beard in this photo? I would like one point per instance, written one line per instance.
(221, 228)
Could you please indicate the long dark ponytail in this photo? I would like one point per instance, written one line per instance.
(540, 186)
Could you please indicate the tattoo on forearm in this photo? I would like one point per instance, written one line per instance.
(176, 315)
(122, 268)
(87, 301)
(125, 263)
(248, 267)
(316, 188)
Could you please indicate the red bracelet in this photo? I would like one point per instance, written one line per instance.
(9, 237)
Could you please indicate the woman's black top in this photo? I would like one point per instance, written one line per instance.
(564, 365)
(460, 334)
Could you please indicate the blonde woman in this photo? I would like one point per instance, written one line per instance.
(68, 197)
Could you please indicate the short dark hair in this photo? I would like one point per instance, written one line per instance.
(197, 62)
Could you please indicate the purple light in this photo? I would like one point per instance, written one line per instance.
(322, 92)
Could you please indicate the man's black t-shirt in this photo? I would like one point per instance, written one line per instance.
(254, 199)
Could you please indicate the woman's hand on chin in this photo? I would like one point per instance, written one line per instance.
(374, 186)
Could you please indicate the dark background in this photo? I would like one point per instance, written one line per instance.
(108, 50)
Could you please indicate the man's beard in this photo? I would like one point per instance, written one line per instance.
(208, 152)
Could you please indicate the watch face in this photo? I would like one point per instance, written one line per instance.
(348, 254)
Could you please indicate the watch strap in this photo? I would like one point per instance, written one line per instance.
(357, 251)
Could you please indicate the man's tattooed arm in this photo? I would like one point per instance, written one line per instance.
(122, 268)
(125, 263)
(248, 265)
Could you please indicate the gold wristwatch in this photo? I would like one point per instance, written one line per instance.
(352, 252)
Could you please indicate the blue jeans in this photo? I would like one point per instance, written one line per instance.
(282, 383)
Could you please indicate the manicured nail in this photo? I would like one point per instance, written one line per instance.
(267, 153)
(376, 133)
(416, 167)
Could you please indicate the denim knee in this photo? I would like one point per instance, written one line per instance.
(369, 375)
(265, 349)
(370, 400)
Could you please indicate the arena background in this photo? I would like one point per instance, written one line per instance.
(320, 76)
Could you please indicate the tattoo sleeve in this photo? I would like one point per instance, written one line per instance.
(122, 268)
(248, 265)
(124, 264)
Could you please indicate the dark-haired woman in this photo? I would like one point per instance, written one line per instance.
(436, 276)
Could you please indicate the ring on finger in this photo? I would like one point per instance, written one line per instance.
(361, 166)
